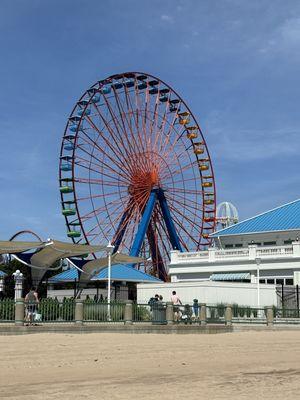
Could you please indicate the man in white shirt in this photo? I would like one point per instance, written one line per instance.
(176, 303)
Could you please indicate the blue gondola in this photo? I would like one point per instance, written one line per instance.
(74, 118)
(73, 127)
(105, 90)
(173, 108)
(87, 111)
(164, 91)
(153, 90)
(129, 83)
(117, 85)
(96, 98)
(83, 103)
(142, 85)
(163, 98)
(69, 146)
(66, 166)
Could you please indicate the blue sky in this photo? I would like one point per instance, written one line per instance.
(236, 63)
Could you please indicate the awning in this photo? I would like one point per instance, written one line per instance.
(236, 276)
(10, 247)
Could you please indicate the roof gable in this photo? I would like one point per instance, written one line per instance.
(283, 218)
(118, 273)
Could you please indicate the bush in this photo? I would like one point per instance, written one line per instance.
(7, 310)
(221, 309)
(49, 308)
(67, 309)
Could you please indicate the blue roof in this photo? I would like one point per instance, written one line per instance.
(2, 273)
(283, 218)
(119, 272)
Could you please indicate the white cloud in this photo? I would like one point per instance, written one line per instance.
(285, 37)
(167, 18)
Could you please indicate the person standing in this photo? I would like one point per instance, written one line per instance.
(31, 301)
(176, 303)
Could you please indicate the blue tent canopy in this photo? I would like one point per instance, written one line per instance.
(118, 273)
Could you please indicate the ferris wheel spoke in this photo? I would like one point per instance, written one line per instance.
(131, 142)
(186, 191)
(181, 169)
(166, 136)
(92, 181)
(101, 150)
(140, 113)
(103, 165)
(116, 135)
(137, 147)
(176, 212)
(137, 127)
(182, 198)
(187, 204)
(108, 142)
(178, 233)
(166, 144)
(97, 196)
(158, 133)
(100, 210)
(116, 181)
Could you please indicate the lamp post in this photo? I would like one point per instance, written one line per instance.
(1, 285)
(18, 277)
(109, 250)
(257, 260)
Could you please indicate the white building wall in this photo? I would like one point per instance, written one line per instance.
(276, 261)
(210, 292)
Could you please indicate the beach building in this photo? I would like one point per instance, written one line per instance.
(266, 247)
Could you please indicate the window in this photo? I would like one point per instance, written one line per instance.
(288, 241)
(238, 245)
(271, 281)
(253, 243)
(228, 246)
(289, 281)
(269, 243)
(262, 281)
(279, 281)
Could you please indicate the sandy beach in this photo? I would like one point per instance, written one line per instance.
(247, 365)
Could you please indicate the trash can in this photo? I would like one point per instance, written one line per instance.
(159, 314)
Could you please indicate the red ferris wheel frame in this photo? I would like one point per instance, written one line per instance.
(134, 128)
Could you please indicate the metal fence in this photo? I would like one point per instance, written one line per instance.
(92, 311)
(7, 310)
(154, 313)
(286, 316)
(51, 310)
(248, 315)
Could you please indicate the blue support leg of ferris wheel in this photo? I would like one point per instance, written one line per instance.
(140, 235)
(120, 231)
(168, 220)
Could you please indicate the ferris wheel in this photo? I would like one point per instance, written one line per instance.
(135, 169)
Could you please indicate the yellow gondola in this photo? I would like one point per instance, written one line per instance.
(207, 184)
(192, 135)
(203, 167)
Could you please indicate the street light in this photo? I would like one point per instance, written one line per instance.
(109, 250)
(1, 285)
(257, 260)
(18, 277)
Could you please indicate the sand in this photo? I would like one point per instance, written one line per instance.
(246, 365)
